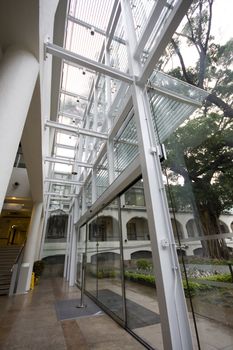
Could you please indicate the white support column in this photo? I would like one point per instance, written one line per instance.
(70, 243)
(110, 153)
(39, 237)
(45, 225)
(173, 311)
(30, 249)
(73, 257)
(67, 248)
(18, 74)
(93, 186)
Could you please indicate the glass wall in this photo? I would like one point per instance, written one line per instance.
(142, 308)
(81, 248)
(91, 280)
(199, 180)
(119, 269)
(109, 260)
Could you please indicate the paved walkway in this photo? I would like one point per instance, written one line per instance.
(29, 322)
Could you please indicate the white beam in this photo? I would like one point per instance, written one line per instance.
(173, 310)
(63, 181)
(70, 115)
(151, 23)
(61, 199)
(75, 129)
(114, 23)
(67, 161)
(101, 68)
(72, 94)
(59, 195)
(163, 39)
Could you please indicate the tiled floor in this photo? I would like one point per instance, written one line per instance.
(29, 322)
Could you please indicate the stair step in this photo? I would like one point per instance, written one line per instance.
(5, 287)
(4, 292)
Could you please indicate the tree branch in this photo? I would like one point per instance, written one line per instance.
(209, 25)
(177, 50)
(217, 101)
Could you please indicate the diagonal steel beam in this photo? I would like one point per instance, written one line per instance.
(151, 23)
(169, 27)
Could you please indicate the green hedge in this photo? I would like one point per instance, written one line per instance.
(225, 277)
(205, 261)
(195, 288)
(140, 278)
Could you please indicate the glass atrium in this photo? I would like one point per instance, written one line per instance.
(115, 167)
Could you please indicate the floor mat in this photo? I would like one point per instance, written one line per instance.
(137, 315)
(67, 309)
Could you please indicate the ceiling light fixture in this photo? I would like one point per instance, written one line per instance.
(92, 31)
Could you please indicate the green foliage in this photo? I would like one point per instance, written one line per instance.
(105, 273)
(226, 277)
(140, 278)
(205, 261)
(143, 264)
(201, 153)
(38, 267)
(194, 288)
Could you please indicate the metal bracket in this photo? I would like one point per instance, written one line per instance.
(46, 41)
(164, 243)
(160, 150)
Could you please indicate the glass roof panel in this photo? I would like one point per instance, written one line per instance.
(82, 42)
(77, 80)
(66, 139)
(95, 12)
(63, 152)
(63, 168)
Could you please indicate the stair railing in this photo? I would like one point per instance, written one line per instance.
(15, 272)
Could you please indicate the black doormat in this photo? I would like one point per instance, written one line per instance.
(137, 315)
(66, 309)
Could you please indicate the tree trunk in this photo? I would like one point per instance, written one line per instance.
(212, 248)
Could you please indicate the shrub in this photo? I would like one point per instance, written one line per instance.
(143, 264)
(140, 278)
(105, 274)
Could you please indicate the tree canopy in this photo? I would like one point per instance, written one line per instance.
(200, 152)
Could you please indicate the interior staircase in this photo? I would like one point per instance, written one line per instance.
(8, 257)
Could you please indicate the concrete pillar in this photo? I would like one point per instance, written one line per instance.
(18, 75)
(30, 249)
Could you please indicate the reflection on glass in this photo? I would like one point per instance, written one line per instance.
(199, 178)
(142, 310)
(109, 260)
(103, 270)
(91, 282)
(80, 251)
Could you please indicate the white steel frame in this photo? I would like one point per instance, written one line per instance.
(173, 311)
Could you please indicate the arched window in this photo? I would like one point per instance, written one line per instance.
(191, 227)
(137, 229)
(103, 228)
(177, 229)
